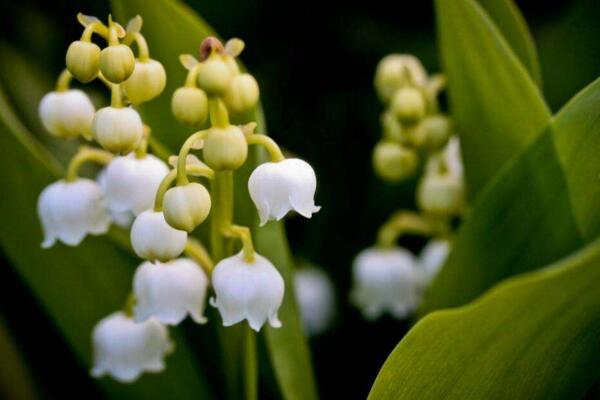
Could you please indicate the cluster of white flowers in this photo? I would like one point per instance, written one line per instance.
(160, 205)
(388, 278)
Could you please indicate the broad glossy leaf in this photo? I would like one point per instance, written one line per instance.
(495, 104)
(511, 23)
(16, 381)
(173, 29)
(76, 285)
(532, 337)
(544, 205)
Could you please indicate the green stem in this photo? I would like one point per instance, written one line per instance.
(96, 27)
(116, 100)
(222, 214)
(250, 365)
(183, 153)
(142, 45)
(86, 154)
(142, 149)
(269, 144)
(63, 82)
(196, 251)
(407, 222)
(219, 117)
(165, 184)
(243, 234)
(129, 305)
(192, 77)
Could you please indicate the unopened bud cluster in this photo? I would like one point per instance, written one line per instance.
(416, 137)
(162, 205)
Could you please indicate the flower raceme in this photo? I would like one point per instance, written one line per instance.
(166, 204)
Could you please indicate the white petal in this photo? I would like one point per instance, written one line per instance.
(153, 239)
(251, 291)
(130, 183)
(70, 210)
(169, 291)
(315, 297)
(386, 280)
(124, 349)
(67, 114)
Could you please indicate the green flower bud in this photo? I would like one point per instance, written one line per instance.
(147, 81)
(118, 130)
(190, 105)
(186, 207)
(214, 75)
(225, 148)
(83, 60)
(395, 71)
(408, 105)
(242, 93)
(433, 132)
(393, 162)
(117, 63)
(441, 194)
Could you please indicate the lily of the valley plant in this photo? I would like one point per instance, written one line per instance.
(161, 205)
(389, 278)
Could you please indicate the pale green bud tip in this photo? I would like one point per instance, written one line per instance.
(225, 148)
(83, 60)
(441, 194)
(214, 75)
(393, 162)
(435, 132)
(397, 70)
(147, 81)
(408, 104)
(117, 63)
(186, 207)
(242, 94)
(190, 106)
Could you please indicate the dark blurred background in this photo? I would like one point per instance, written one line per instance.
(315, 62)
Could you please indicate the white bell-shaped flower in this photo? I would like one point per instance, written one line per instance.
(247, 290)
(124, 349)
(315, 297)
(169, 291)
(67, 114)
(130, 183)
(70, 210)
(386, 280)
(153, 239)
(432, 257)
(278, 187)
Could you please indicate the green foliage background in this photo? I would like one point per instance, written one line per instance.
(532, 179)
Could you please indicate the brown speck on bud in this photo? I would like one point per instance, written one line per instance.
(209, 45)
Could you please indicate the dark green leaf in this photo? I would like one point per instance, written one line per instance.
(495, 104)
(544, 205)
(531, 337)
(511, 23)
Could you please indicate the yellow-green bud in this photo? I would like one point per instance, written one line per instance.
(83, 60)
(408, 105)
(190, 105)
(118, 130)
(441, 194)
(225, 148)
(147, 81)
(394, 162)
(433, 132)
(186, 207)
(214, 75)
(395, 71)
(117, 62)
(242, 94)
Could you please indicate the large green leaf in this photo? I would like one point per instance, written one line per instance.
(76, 285)
(495, 104)
(511, 23)
(172, 29)
(531, 337)
(545, 204)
